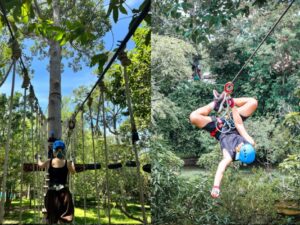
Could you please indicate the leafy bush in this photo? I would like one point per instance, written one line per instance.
(211, 159)
(165, 183)
(249, 197)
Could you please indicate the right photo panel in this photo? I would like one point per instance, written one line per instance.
(225, 112)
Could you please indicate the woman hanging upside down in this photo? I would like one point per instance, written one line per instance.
(58, 200)
(236, 143)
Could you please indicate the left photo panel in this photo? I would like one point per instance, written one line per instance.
(75, 112)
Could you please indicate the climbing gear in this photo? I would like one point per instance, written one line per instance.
(219, 124)
(59, 148)
(219, 100)
(58, 144)
(57, 187)
(215, 192)
(228, 88)
(245, 154)
(72, 123)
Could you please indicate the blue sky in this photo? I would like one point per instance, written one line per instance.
(70, 79)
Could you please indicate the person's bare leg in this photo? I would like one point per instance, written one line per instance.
(220, 172)
(246, 106)
(200, 117)
(239, 125)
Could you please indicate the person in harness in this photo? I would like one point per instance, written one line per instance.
(235, 142)
(58, 199)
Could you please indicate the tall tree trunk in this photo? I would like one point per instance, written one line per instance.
(54, 112)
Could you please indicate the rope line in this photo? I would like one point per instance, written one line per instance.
(134, 147)
(22, 156)
(267, 35)
(6, 75)
(105, 151)
(83, 161)
(94, 156)
(7, 146)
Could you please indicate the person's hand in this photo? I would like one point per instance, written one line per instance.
(37, 156)
(215, 192)
(252, 142)
(230, 101)
(72, 159)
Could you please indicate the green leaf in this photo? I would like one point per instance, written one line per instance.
(186, 6)
(25, 11)
(63, 41)
(59, 36)
(99, 58)
(109, 9)
(115, 14)
(123, 10)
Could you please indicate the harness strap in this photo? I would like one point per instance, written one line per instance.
(218, 127)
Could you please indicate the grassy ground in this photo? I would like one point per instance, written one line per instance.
(117, 217)
(192, 172)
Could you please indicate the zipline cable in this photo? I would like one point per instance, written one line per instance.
(7, 146)
(267, 35)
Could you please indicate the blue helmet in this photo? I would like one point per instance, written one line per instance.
(246, 154)
(58, 144)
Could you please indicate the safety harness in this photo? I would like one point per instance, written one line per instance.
(219, 125)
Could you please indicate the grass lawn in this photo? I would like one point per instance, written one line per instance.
(192, 172)
(117, 217)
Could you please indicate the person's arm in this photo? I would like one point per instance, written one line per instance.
(42, 164)
(238, 122)
(224, 163)
(71, 167)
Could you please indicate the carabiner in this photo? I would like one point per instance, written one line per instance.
(228, 87)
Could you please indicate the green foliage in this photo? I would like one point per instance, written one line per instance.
(272, 76)
(210, 160)
(249, 197)
(194, 20)
(170, 63)
(99, 59)
(165, 169)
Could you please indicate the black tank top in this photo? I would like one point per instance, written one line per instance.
(58, 175)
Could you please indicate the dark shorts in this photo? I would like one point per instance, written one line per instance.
(59, 205)
(230, 142)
